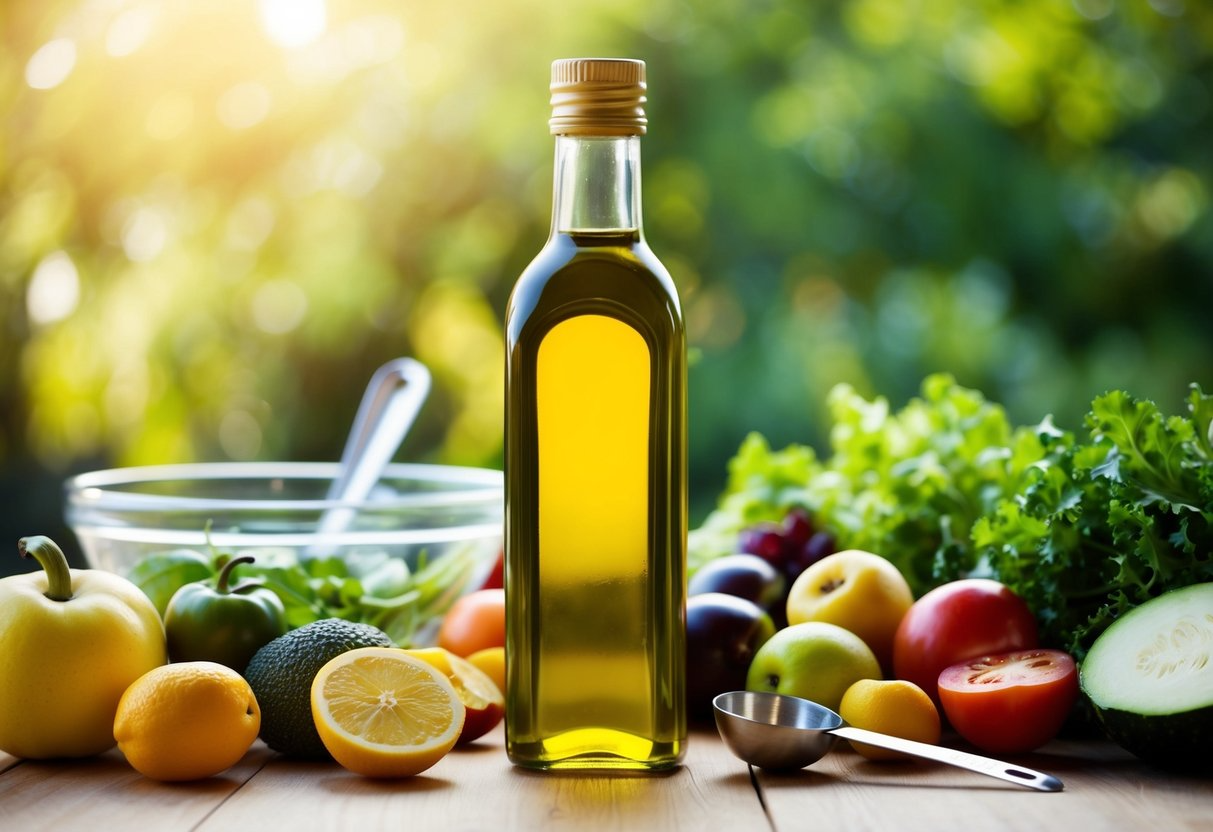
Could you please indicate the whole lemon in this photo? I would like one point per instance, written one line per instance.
(73, 640)
(187, 721)
(894, 707)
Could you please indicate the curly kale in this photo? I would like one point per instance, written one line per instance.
(1083, 527)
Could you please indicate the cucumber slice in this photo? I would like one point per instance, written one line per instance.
(1150, 678)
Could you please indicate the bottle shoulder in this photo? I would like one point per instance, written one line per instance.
(613, 273)
(593, 251)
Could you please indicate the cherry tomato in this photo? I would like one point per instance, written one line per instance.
(958, 621)
(1010, 703)
(474, 622)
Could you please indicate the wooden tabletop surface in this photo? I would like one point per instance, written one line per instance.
(477, 789)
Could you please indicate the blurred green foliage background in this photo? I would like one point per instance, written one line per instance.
(216, 219)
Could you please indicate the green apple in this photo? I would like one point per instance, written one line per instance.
(858, 591)
(813, 660)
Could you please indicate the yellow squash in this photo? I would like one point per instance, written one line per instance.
(71, 641)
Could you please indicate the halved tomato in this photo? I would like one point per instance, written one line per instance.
(1010, 703)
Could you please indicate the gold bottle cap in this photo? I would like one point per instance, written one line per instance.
(598, 97)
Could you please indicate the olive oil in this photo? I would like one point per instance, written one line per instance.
(595, 464)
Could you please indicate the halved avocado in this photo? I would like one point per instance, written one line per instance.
(1150, 679)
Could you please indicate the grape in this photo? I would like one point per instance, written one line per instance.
(766, 541)
(791, 546)
(797, 527)
(814, 549)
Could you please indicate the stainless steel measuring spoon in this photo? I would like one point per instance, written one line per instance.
(779, 732)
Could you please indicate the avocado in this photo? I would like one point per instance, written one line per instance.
(281, 675)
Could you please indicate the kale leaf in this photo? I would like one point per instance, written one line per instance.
(1084, 527)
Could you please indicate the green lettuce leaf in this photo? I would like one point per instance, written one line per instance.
(1083, 527)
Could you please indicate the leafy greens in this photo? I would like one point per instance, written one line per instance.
(1083, 527)
(368, 587)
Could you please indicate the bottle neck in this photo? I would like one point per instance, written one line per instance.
(597, 184)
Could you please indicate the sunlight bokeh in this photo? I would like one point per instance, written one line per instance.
(293, 23)
(216, 219)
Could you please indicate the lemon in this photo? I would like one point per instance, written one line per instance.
(894, 707)
(186, 721)
(383, 713)
(480, 695)
(492, 661)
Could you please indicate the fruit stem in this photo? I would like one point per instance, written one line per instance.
(225, 574)
(52, 560)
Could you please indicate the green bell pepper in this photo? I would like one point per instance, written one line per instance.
(222, 624)
(161, 574)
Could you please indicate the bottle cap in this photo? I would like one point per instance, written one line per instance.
(598, 97)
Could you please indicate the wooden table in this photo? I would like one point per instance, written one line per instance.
(477, 789)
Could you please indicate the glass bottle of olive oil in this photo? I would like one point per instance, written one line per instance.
(595, 456)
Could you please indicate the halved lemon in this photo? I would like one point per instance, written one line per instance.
(383, 713)
(480, 695)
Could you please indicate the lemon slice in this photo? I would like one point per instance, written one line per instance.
(492, 661)
(383, 713)
(479, 694)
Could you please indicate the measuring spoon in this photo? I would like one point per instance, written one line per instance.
(778, 732)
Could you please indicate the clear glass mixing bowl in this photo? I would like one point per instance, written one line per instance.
(415, 512)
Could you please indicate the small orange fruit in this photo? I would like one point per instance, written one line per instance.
(895, 707)
(492, 661)
(186, 721)
(474, 622)
(383, 713)
(480, 695)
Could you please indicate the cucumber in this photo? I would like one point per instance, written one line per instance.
(1149, 677)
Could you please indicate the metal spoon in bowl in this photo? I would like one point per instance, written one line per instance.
(779, 732)
(388, 408)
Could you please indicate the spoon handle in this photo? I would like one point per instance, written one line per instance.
(387, 410)
(1019, 775)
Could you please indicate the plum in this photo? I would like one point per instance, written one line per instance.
(723, 634)
(745, 576)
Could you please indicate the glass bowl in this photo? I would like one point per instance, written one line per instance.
(417, 513)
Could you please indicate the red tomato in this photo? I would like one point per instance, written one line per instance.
(958, 621)
(1011, 702)
(474, 622)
